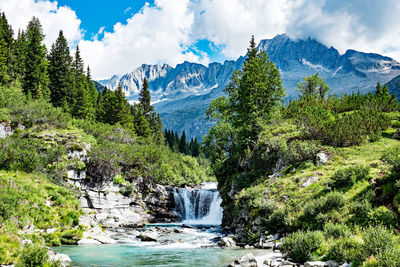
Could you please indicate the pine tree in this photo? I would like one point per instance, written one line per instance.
(35, 81)
(182, 144)
(60, 73)
(254, 94)
(19, 55)
(141, 125)
(124, 115)
(81, 97)
(145, 99)
(6, 44)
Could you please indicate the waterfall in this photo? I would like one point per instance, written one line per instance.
(199, 206)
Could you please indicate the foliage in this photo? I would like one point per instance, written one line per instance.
(35, 255)
(118, 179)
(301, 246)
(349, 176)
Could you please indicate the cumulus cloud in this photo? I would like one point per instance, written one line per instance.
(167, 31)
(158, 33)
(52, 17)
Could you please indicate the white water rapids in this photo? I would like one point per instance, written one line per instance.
(199, 206)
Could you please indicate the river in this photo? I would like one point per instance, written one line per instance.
(193, 242)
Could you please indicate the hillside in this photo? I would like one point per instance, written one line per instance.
(317, 178)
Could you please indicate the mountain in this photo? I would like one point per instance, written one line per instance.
(182, 94)
(394, 86)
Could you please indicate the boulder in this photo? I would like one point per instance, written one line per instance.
(64, 259)
(227, 242)
(322, 158)
(148, 237)
(315, 264)
(246, 261)
(88, 241)
(310, 181)
(332, 264)
(5, 129)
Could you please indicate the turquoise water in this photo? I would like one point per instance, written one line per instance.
(143, 256)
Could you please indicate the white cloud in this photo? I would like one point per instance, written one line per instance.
(164, 31)
(52, 17)
(157, 34)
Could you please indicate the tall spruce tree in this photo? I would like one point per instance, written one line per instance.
(83, 106)
(35, 81)
(60, 73)
(19, 52)
(145, 98)
(124, 115)
(183, 144)
(6, 43)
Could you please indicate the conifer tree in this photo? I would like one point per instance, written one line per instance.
(81, 96)
(6, 43)
(35, 81)
(124, 115)
(19, 52)
(60, 73)
(145, 99)
(182, 144)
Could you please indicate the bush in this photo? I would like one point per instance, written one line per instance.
(349, 176)
(347, 249)
(302, 245)
(128, 189)
(27, 155)
(359, 212)
(384, 216)
(336, 230)
(118, 179)
(377, 239)
(71, 237)
(35, 255)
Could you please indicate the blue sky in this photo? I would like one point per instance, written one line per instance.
(95, 14)
(204, 31)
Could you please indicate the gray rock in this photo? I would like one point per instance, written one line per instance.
(5, 129)
(246, 261)
(315, 264)
(346, 265)
(64, 259)
(26, 242)
(310, 181)
(331, 263)
(227, 242)
(88, 241)
(322, 158)
(148, 237)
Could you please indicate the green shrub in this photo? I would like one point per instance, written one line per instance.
(118, 179)
(35, 255)
(384, 216)
(316, 210)
(28, 155)
(347, 249)
(377, 239)
(336, 230)
(9, 247)
(71, 218)
(389, 257)
(359, 212)
(301, 246)
(128, 189)
(71, 237)
(349, 176)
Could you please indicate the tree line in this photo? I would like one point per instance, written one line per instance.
(180, 144)
(62, 79)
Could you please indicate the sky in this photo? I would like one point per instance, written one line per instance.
(116, 36)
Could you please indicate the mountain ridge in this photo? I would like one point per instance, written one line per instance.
(186, 90)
